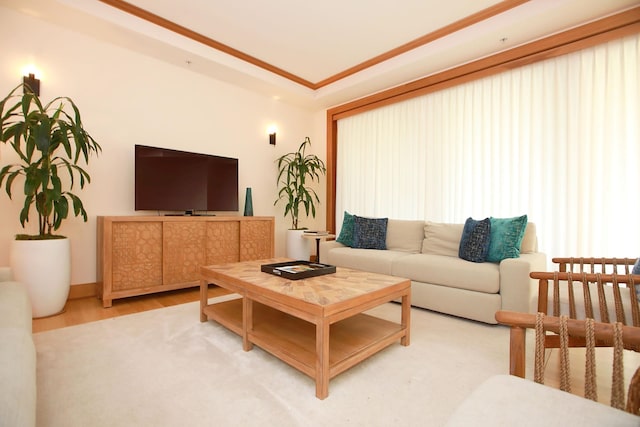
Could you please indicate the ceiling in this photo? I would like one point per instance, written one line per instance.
(319, 54)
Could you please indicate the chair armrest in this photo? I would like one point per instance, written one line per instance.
(519, 292)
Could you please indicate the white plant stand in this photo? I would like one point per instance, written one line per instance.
(297, 245)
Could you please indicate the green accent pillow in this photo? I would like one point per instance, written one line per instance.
(506, 238)
(370, 233)
(346, 232)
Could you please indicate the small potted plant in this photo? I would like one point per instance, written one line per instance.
(295, 171)
(50, 142)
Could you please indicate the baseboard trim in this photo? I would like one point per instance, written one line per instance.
(83, 291)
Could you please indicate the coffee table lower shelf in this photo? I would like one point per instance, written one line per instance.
(293, 340)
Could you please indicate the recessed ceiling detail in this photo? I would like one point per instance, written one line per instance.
(319, 54)
(461, 22)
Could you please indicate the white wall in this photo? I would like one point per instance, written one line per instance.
(126, 99)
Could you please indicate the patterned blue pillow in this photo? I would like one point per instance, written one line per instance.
(506, 237)
(370, 233)
(476, 236)
(346, 232)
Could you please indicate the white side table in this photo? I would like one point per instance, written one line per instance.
(318, 237)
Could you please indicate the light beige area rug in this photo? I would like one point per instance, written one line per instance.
(166, 368)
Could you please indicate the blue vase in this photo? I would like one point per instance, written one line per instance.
(248, 203)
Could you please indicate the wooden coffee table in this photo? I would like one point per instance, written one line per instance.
(316, 325)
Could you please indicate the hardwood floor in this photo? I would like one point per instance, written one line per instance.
(83, 310)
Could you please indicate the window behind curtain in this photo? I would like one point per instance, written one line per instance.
(558, 140)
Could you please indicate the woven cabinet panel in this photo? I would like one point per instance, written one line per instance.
(137, 255)
(256, 240)
(223, 242)
(184, 251)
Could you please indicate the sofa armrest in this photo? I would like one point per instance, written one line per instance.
(326, 246)
(5, 274)
(15, 307)
(519, 292)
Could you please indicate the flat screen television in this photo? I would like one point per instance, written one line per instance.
(173, 180)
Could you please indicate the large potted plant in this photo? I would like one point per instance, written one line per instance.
(50, 142)
(295, 171)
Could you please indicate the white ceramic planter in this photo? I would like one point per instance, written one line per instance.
(44, 266)
(297, 246)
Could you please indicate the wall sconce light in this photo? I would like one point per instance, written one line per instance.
(32, 83)
(272, 134)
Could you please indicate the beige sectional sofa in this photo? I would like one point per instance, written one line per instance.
(17, 355)
(427, 253)
(507, 400)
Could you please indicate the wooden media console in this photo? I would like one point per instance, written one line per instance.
(140, 255)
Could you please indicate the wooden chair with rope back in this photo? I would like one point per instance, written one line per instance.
(605, 297)
(594, 265)
(616, 335)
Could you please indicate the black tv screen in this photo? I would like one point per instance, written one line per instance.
(173, 180)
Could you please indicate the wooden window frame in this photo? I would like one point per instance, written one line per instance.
(591, 34)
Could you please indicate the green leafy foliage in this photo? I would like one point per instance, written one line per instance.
(48, 140)
(293, 171)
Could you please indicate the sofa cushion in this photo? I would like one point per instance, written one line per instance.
(346, 232)
(448, 271)
(530, 240)
(374, 261)
(5, 274)
(507, 400)
(506, 237)
(370, 233)
(15, 306)
(18, 378)
(405, 235)
(476, 236)
(442, 239)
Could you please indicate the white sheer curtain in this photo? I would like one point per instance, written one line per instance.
(558, 140)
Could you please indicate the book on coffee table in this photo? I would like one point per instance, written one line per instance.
(296, 270)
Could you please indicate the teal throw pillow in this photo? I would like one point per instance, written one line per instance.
(506, 237)
(370, 233)
(346, 232)
(476, 236)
